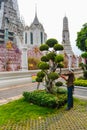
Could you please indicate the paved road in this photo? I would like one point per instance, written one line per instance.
(14, 92)
(81, 92)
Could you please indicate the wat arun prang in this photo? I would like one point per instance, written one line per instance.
(71, 60)
(11, 35)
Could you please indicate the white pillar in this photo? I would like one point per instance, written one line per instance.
(69, 61)
(24, 58)
(77, 61)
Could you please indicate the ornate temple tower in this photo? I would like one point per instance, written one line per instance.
(66, 37)
(11, 29)
(10, 18)
(69, 54)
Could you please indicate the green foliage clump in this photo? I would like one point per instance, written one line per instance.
(44, 47)
(59, 83)
(43, 65)
(81, 40)
(80, 82)
(44, 58)
(84, 55)
(58, 47)
(42, 98)
(85, 74)
(40, 74)
(51, 56)
(59, 58)
(39, 79)
(60, 65)
(51, 42)
(53, 75)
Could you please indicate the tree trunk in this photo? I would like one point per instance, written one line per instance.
(49, 86)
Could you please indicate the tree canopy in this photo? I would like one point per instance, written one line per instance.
(81, 40)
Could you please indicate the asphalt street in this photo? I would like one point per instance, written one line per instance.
(11, 93)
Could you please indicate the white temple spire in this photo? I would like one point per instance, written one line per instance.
(36, 21)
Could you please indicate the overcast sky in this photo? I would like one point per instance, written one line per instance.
(51, 12)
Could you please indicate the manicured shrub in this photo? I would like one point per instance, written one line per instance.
(42, 98)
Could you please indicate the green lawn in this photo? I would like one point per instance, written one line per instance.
(20, 110)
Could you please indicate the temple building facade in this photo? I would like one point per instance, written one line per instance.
(18, 42)
(34, 35)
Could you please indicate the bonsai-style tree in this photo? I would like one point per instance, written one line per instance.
(49, 63)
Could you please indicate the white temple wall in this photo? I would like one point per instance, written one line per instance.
(36, 37)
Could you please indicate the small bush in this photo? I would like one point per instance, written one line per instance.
(81, 82)
(59, 83)
(85, 74)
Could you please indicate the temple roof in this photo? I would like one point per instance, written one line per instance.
(36, 23)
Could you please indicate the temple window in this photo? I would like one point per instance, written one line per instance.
(31, 37)
(41, 35)
(25, 37)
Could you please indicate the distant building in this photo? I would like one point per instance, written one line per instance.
(34, 35)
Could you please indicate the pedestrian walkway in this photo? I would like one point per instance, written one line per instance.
(74, 119)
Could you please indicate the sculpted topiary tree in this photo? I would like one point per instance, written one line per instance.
(49, 63)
